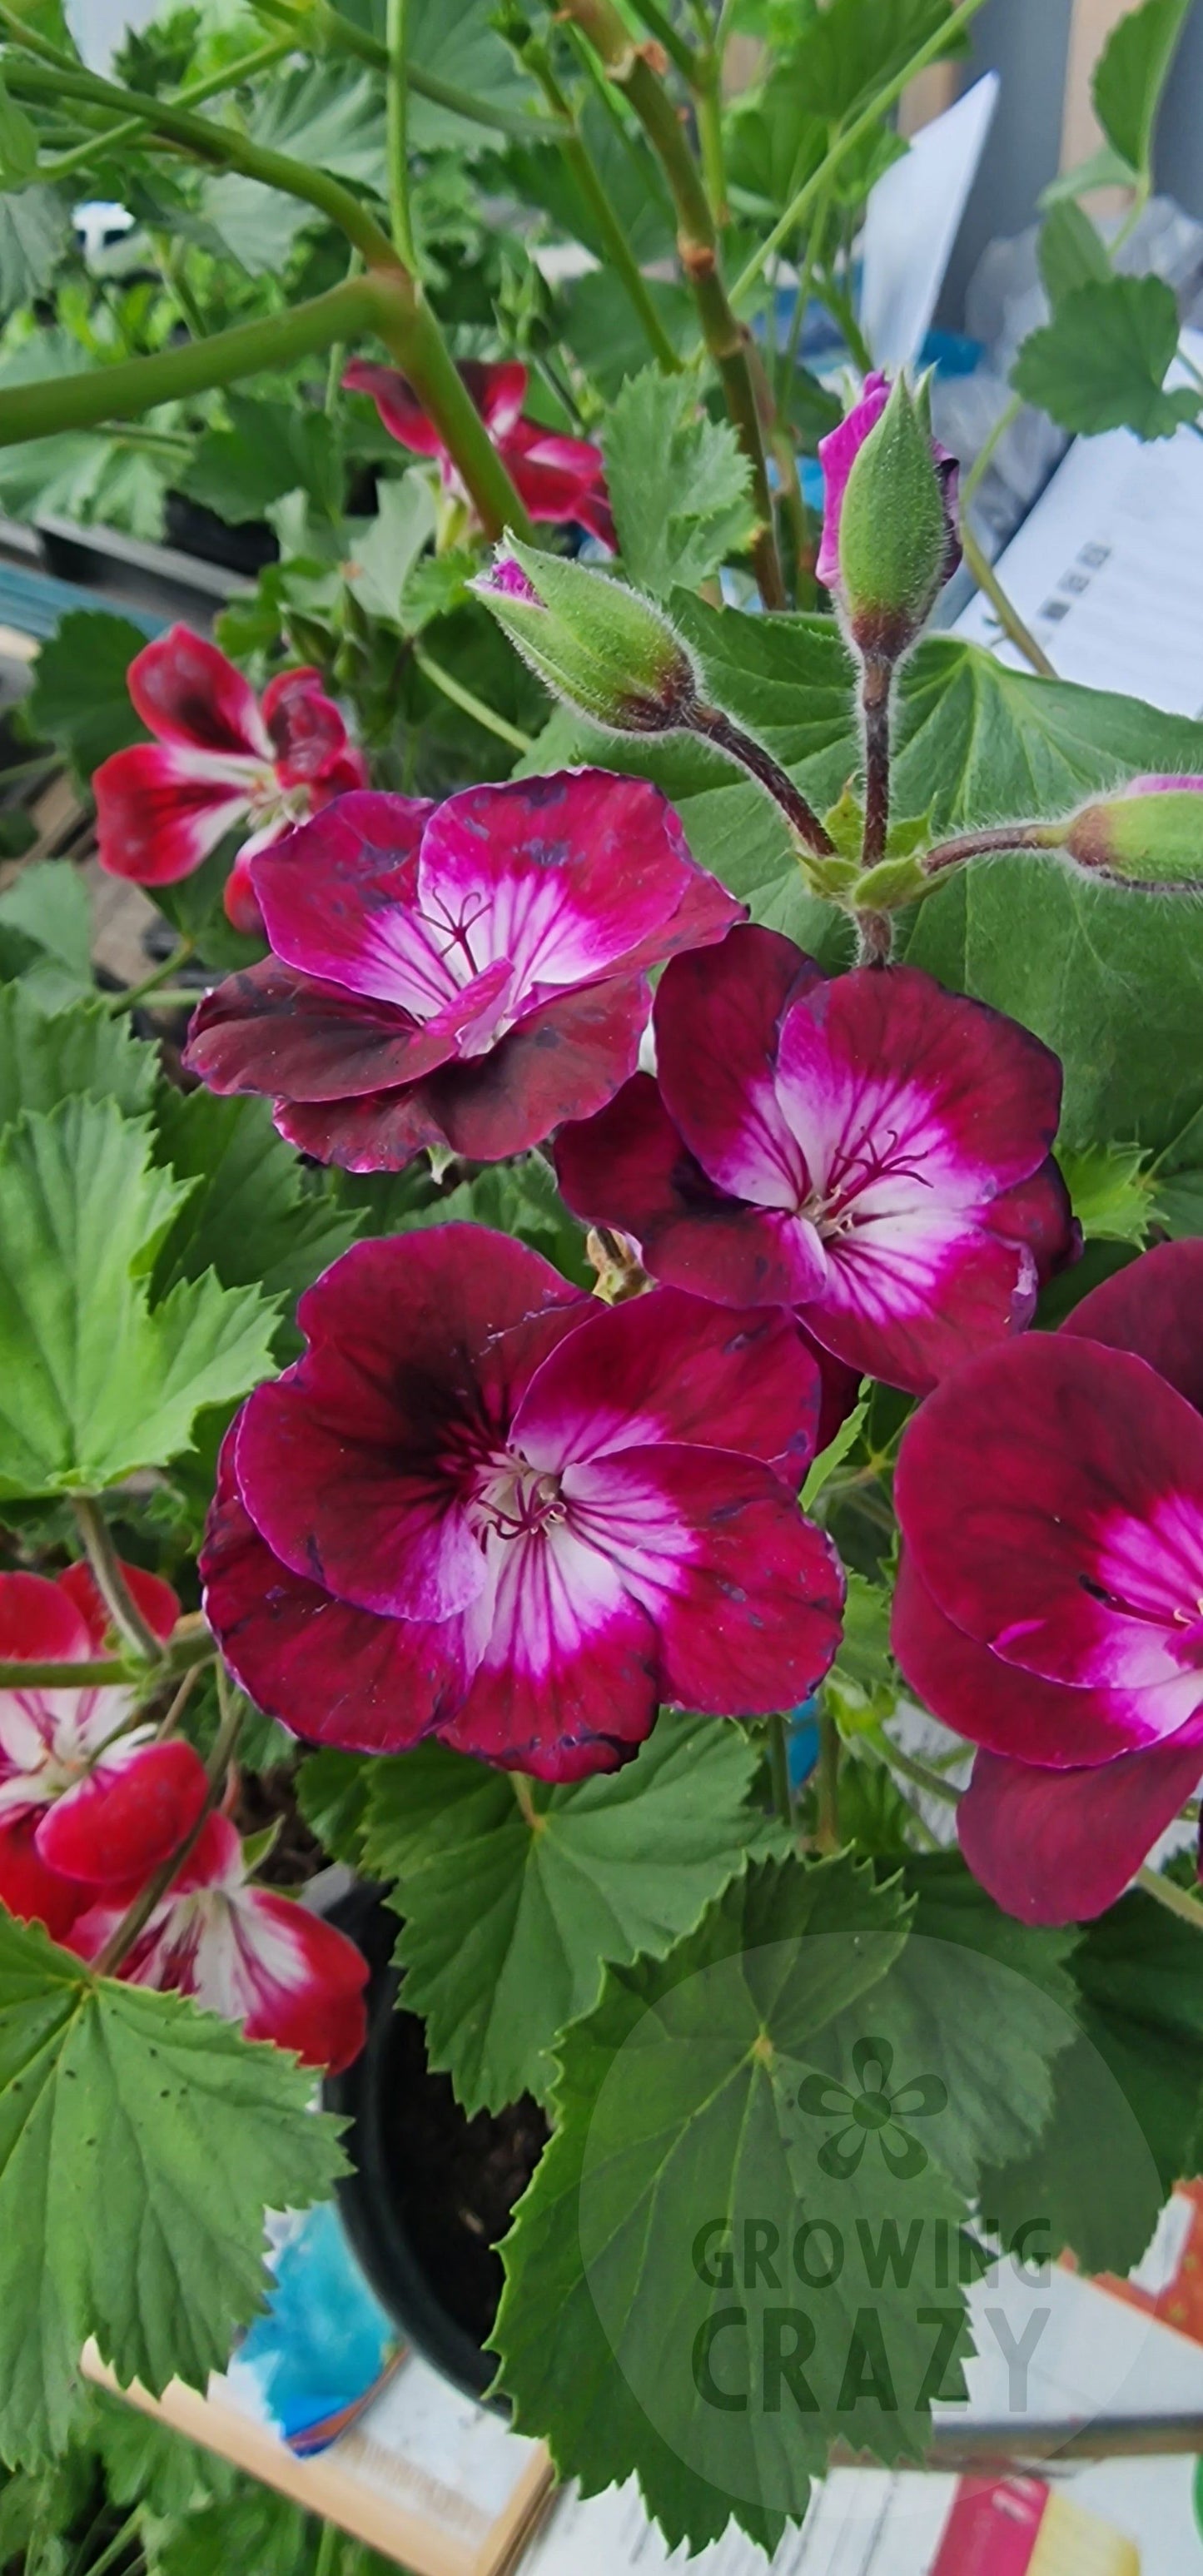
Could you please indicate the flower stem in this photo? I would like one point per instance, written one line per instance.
(1004, 609)
(877, 676)
(820, 180)
(111, 137)
(327, 27)
(828, 1784)
(975, 476)
(398, 139)
(980, 845)
(579, 161)
(1176, 1900)
(716, 727)
(138, 1914)
(918, 1773)
(136, 993)
(110, 1581)
(326, 2561)
(524, 1794)
(779, 1771)
(470, 704)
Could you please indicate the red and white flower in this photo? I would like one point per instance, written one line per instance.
(254, 1957)
(872, 1151)
(484, 1508)
(463, 976)
(1050, 1605)
(220, 760)
(85, 1800)
(560, 480)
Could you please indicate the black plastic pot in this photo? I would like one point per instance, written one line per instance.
(430, 2190)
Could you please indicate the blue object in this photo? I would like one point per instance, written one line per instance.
(802, 1742)
(325, 2343)
(35, 602)
(952, 353)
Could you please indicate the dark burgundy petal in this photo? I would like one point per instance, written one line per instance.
(561, 480)
(187, 692)
(841, 1387)
(584, 1709)
(333, 1674)
(1153, 1307)
(1061, 1846)
(911, 1310)
(357, 1464)
(307, 732)
(271, 1030)
(1038, 1213)
(755, 1620)
(995, 1705)
(716, 1017)
(670, 1367)
(629, 1167)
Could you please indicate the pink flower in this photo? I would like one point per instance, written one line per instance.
(462, 976)
(82, 1804)
(485, 1508)
(838, 453)
(872, 1151)
(1051, 1599)
(559, 479)
(218, 760)
(254, 1957)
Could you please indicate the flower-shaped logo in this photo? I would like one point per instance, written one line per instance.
(873, 2111)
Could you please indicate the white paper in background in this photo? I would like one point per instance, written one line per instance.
(912, 221)
(1107, 570)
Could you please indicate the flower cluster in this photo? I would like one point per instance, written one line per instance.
(559, 480)
(220, 760)
(92, 1804)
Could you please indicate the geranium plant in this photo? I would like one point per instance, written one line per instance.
(665, 1214)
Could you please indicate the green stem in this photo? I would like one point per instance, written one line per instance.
(1004, 608)
(675, 45)
(470, 704)
(579, 160)
(328, 26)
(995, 838)
(819, 182)
(136, 993)
(110, 1581)
(1176, 1900)
(697, 242)
(326, 2560)
(837, 301)
(101, 1671)
(811, 257)
(779, 1771)
(398, 139)
(118, 2545)
(877, 676)
(918, 1773)
(111, 137)
(410, 331)
(171, 268)
(709, 105)
(971, 482)
(828, 1784)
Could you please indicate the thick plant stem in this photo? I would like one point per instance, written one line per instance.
(102, 1672)
(709, 105)
(741, 747)
(579, 161)
(110, 1582)
(138, 1914)
(109, 139)
(779, 1771)
(877, 676)
(629, 68)
(874, 938)
(980, 845)
(828, 1784)
(1004, 609)
(408, 328)
(398, 137)
(1176, 1900)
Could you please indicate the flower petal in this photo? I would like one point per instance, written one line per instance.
(670, 1367)
(910, 1298)
(1061, 1846)
(342, 903)
(1153, 1307)
(305, 728)
(187, 692)
(43, 1621)
(1009, 1712)
(333, 1674)
(271, 1030)
(297, 1980)
(397, 403)
(134, 1807)
(1038, 1213)
(838, 453)
(561, 480)
(356, 1465)
(161, 810)
(498, 391)
(567, 1681)
(629, 1167)
(1053, 1496)
(716, 1020)
(155, 1599)
(31, 1890)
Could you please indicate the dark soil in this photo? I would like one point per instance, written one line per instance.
(455, 2180)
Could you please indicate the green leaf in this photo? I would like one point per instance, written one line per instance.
(46, 1058)
(682, 2132)
(46, 934)
(145, 2463)
(319, 115)
(384, 554)
(1103, 169)
(1100, 2180)
(18, 141)
(269, 448)
(1101, 363)
(250, 1216)
(96, 1381)
(252, 2528)
(629, 175)
(455, 41)
(80, 698)
(1131, 74)
(603, 330)
(823, 1468)
(514, 1198)
(507, 1923)
(334, 1795)
(140, 2142)
(35, 232)
(1115, 1196)
(1071, 251)
(678, 482)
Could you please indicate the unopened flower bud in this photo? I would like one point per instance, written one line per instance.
(890, 538)
(1149, 836)
(593, 642)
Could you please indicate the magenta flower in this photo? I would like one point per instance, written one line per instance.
(1051, 1599)
(219, 760)
(82, 1804)
(485, 1508)
(561, 480)
(872, 1151)
(462, 976)
(256, 1958)
(838, 453)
